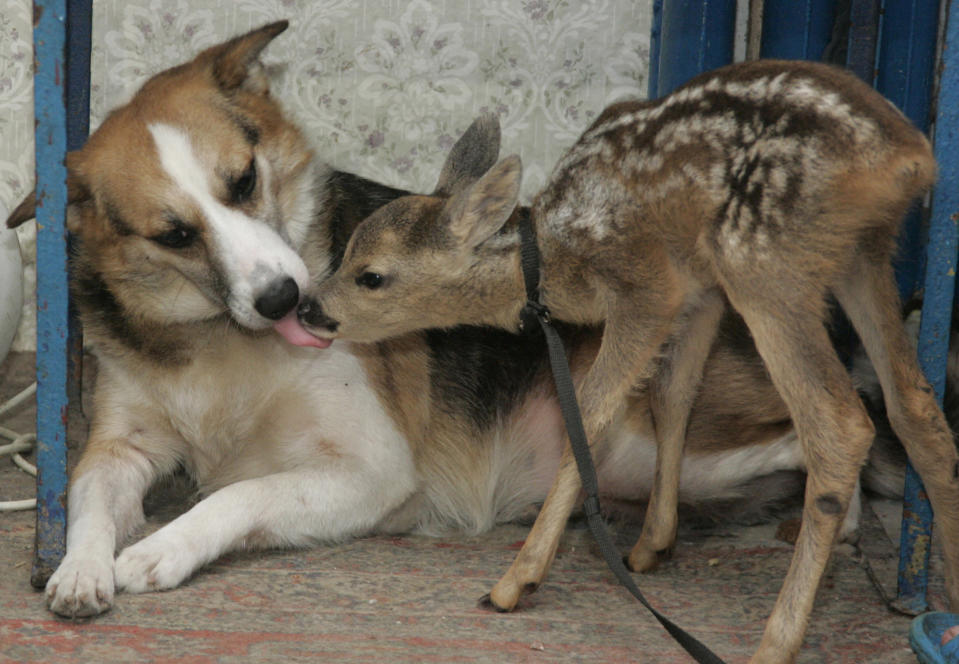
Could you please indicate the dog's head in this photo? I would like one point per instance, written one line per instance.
(428, 261)
(190, 201)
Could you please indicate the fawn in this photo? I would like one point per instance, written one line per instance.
(768, 185)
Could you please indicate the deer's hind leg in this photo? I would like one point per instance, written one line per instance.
(635, 330)
(870, 299)
(786, 321)
(672, 392)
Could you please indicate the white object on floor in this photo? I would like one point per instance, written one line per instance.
(11, 285)
(11, 301)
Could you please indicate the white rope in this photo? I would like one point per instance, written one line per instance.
(24, 394)
(22, 442)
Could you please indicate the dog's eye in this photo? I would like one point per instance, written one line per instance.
(242, 188)
(176, 238)
(371, 280)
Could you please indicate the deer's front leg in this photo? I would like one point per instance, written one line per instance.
(633, 334)
(532, 563)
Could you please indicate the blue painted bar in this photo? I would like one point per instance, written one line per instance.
(655, 48)
(936, 312)
(915, 540)
(49, 39)
(79, 31)
(796, 29)
(864, 17)
(696, 36)
(907, 56)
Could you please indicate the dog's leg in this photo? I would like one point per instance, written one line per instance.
(105, 506)
(835, 433)
(348, 497)
(870, 299)
(633, 334)
(672, 393)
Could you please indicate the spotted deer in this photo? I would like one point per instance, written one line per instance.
(768, 185)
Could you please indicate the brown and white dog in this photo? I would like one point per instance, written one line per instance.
(198, 212)
(768, 185)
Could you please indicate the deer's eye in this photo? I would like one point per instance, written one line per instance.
(371, 280)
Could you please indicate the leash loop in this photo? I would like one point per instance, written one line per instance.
(591, 506)
(533, 311)
(531, 314)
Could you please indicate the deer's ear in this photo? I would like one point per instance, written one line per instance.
(481, 209)
(474, 154)
(77, 192)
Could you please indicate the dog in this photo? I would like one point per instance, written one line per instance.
(435, 432)
(768, 185)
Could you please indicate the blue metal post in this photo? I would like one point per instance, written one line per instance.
(907, 56)
(49, 39)
(79, 31)
(864, 17)
(936, 312)
(655, 47)
(796, 29)
(696, 35)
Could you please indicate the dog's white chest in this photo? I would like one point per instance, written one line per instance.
(254, 411)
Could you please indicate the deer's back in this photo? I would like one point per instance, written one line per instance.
(745, 153)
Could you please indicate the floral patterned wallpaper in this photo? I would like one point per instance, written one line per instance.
(383, 87)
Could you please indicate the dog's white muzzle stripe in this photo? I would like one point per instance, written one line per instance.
(251, 254)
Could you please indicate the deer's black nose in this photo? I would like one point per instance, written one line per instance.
(279, 299)
(311, 314)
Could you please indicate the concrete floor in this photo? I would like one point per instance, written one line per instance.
(414, 599)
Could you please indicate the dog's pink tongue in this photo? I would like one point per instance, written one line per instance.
(290, 329)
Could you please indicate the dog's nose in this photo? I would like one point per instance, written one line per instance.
(278, 299)
(311, 313)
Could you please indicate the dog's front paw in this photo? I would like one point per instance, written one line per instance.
(82, 586)
(158, 562)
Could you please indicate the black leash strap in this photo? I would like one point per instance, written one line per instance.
(577, 438)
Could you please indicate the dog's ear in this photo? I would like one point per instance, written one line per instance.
(77, 192)
(26, 210)
(471, 156)
(235, 62)
(481, 209)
